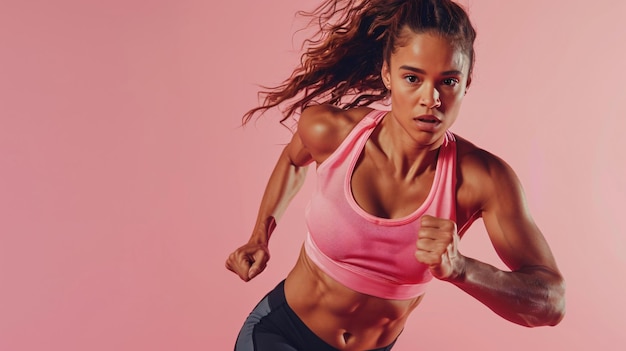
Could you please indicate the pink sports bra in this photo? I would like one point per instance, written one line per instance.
(368, 254)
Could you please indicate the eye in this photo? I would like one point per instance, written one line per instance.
(411, 79)
(450, 82)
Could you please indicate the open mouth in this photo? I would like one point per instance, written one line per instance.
(428, 119)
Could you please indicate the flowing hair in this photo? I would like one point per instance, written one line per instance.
(342, 61)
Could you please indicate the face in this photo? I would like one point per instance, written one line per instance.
(428, 78)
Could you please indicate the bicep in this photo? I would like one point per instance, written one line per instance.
(297, 152)
(515, 236)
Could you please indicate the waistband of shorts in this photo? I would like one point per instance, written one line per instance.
(276, 297)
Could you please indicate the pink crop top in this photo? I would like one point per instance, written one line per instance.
(368, 254)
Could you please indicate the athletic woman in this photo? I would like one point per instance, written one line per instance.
(396, 189)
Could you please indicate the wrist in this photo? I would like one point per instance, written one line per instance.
(263, 230)
(459, 269)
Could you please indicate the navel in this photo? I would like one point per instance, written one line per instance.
(346, 337)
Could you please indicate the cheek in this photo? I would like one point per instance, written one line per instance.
(398, 98)
(453, 101)
(405, 95)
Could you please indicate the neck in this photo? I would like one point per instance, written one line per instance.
(408, 157)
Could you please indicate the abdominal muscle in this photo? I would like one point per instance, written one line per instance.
(342, 317)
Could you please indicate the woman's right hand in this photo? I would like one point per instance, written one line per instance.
(249, 260)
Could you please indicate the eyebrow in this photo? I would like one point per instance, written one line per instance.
(421, 71)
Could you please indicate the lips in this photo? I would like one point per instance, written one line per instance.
(428, 119)
(428, 123)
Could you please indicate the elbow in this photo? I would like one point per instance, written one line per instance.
(552, 316)
(552, 310)
(557, 305)
(557, 318)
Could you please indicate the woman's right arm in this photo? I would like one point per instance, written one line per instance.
(287, 178)
(309, 143)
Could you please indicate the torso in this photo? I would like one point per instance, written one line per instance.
(344, 318)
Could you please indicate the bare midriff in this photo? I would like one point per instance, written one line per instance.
(346, 319)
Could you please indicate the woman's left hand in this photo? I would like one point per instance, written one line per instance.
(437, 246)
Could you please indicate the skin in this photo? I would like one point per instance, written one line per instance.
(427, 77)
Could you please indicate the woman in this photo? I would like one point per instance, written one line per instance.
(396, 190)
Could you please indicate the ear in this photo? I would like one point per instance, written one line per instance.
(469, 81)
(385, 75)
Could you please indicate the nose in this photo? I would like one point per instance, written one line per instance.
(430, 97)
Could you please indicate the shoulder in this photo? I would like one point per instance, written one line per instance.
(322, 128)
(474, 159)
(483, 178)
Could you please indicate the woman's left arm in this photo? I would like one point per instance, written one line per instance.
(532, 293)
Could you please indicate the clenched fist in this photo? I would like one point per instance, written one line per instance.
(248, 261)
(437, 242)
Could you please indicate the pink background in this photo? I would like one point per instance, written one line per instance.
(125, 180)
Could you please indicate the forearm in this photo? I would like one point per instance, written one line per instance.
(532, 296)
(284, 183)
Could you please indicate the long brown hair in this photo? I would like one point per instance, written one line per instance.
(341, 63)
